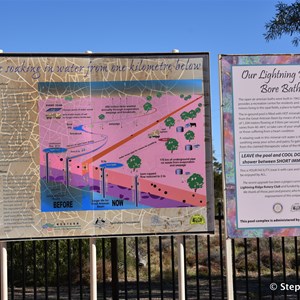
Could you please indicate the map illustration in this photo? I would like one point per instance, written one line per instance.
(121, 145)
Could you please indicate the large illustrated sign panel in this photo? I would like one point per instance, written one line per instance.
(261, 115)
(105, 145)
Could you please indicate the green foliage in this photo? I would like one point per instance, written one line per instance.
(101, 117)
(172, 145)
(149, 98)
(285, 22)
(189, 135)
(159, 94)
(169, 122)
(195, 181)
(68, 98)
(184, 116)
(134, 162)
(218, 185)
(187, 97)
(147, 107)
(192, 114)
(50, 259)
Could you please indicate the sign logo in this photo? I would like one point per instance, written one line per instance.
(295, 207)
(197, 220)
(48, 226)
(277, 207)
(61, 225)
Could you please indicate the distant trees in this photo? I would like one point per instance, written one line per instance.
(286, 21)
(218, 186)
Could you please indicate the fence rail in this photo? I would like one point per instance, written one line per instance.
(146, 267)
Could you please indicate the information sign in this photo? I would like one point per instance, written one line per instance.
(261, 129)
(104, 145)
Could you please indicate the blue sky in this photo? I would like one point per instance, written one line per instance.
(135, 26)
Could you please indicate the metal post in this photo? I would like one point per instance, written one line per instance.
(3, 265)
(181, 273)
(180, 249)
(228, 244)
(229, 269)
(93, 269)
(114, 268)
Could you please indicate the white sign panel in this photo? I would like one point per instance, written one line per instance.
(264, 130)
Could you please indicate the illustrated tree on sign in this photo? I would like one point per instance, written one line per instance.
(172, 145)
(184, 116)
(101, 117)
(195, 181)
(286, 21)
(159, 94)
(147, 107)
(189, 135)
(192, 114)
(169, 122)
(134, 162)
(149, 98)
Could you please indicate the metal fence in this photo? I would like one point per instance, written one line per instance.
(146, 268)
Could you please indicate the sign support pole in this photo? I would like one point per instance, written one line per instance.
(228, 245)
(3, 276)
(229, 268)
(181, 255)
(3, 264)
(93, 258)
(181, 273)
(93, 269)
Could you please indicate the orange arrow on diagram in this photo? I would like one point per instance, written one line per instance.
(132, 136)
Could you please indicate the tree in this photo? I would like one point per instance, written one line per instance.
(169, 122)
(189, 135)
(134, 162)
(195, 181)
(101, 117)
(286, 21)
(184, 116)
(147, 107)
(172, 145)
(218, 188)
(159, 94)
(192, 114)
